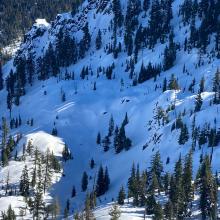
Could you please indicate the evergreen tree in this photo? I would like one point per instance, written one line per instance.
(118, 17)
(100, 184)
(106, 180)
(111, 126)
(188, 178)
(73, 192)
(168, 210)
(173, 84)
(24, 182)
(208, 197)
(99, 40)
(1, 78)
(92, 163)
(216, 87)
(9, 215)
(156, 169)
(184, 135)
(98, 139)
(106, 142)
(88, 215)
(121, 196)
(66, 153)
(84, 181)
(86, 37)
(198, 102)
(170, 54)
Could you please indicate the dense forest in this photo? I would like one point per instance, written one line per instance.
(17, 16)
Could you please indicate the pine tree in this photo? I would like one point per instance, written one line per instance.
(216, 87)
(24, 182)
(118, 17)
(168, 210)
(92, 163)
(86, 37)
(9, 215)
(173, 84)
(184, 135)
(100, 184)
(38, 203)
(188, 178)
(73, 194)
(158, 212)
(208, 197)
(202, 85)
(121, 196)
(106, 142)
(48, 172)
(111, 126)
(106, 180)
(66, 153)
(99, 40)
(84, 181)
(156, 169)
(88, 215)
(198, 102)
(1, 77)
(169, 54)
(98, 139)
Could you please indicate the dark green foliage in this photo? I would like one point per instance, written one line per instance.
(66, 153)
(156, 171)
(173, 84)
(18, 16)
(92, 163)
(169, 54)
(105, 143)
(198, 102)
(99, 40)
(148, 72)
(73, 194)
(184, 135)
(216, 87)
(121, 196)
(9, 215)
(84, 183)
(208, 190)
(98, 139)
(103, 181)
(24, 182)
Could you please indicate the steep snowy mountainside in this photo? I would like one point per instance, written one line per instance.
(75, 99)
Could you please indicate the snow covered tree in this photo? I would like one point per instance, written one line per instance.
(115, 212)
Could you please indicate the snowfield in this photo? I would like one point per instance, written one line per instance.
(87, 112)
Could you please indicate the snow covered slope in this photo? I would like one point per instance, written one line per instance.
(86, 111)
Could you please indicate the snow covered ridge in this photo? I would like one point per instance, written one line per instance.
(119, 88)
